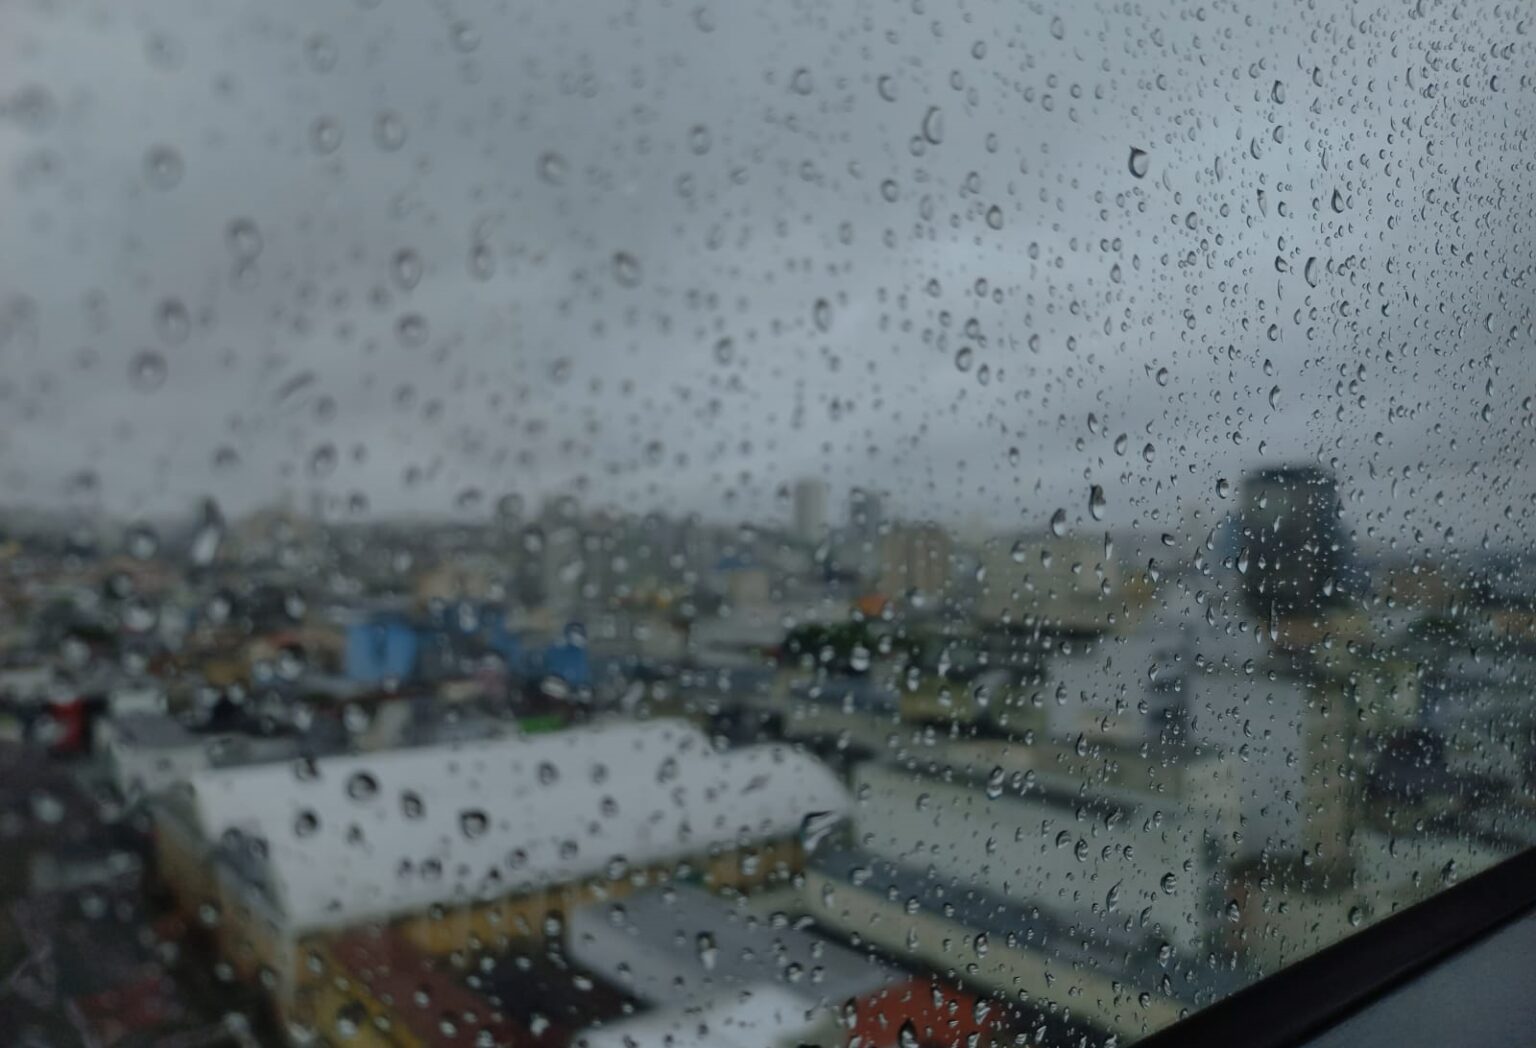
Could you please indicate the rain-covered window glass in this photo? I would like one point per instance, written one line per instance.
(736, 523)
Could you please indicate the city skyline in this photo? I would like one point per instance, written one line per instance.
(756, 525)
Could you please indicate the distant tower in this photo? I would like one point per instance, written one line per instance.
(914, 558)
(810, 509)
(207, 533)
(1299, 557)
(864, 517)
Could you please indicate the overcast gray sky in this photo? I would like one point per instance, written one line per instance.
(675, 255)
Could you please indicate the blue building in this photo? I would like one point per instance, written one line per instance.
(568, 659)
(393, 645)
(385, 646)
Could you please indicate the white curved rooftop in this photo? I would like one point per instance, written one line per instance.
(654, 952)
(362, 837)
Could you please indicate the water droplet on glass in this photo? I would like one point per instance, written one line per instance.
(473, 824)
(320, 53)
(815, 828)
(482, 260)
(389, 131)
(207, 539)
(163, 167)
(821, 314)
(1096, 502)
(411, 330)
(1059, 523)
(225, 458)
(1139, 162)
(362, 786)
(244, 239)
(933, 125)
(709, 953)
(147, 371)
(322, 461)
(142, 542)
(347, 1027)
(626, 269)
(552, 168)
(173, 322)
(324, 135)
(465, 37)
(407, 268)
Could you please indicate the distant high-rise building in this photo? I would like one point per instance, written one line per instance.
(810, 509)
(1295, 552)
(864, 517)
(914, 559)
(1072, 582)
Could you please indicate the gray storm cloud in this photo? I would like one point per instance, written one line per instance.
(673, 256)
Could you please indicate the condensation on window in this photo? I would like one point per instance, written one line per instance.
(881, 523)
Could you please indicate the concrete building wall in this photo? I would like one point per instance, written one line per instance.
(1069, 858)
(1007, 969)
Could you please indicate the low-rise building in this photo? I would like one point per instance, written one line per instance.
(475, 844)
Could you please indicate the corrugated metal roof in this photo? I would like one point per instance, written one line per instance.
(1130, 956)
(687, 945)
(359, 837)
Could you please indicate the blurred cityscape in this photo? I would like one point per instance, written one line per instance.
(569, 777)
